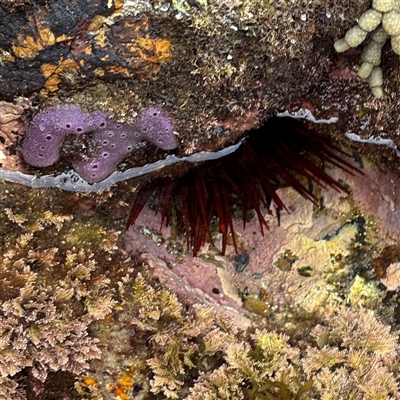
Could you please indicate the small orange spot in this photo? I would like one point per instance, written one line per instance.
(107, 319)
(46, 37)
(52, 83)
(88, 50)
(101, 38)
(121, 393)
(63, 38)
(89, 381)
(125, 381)
(118, 4)
(123, 384)
(48, 69)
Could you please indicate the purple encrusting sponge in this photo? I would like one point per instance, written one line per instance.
(113, 141)
(117, 141)
(46, 133)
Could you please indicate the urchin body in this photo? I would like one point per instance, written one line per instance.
(281, 152)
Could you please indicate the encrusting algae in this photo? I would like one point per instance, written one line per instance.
(157, 345)
(53, 288)
(74, 301)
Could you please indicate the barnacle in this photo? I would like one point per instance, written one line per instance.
(382, 21)
(278, 153)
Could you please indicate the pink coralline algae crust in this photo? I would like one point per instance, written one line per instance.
(113, 141)
(196, 280)
(382, 199)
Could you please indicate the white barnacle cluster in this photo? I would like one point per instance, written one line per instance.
(381, 21)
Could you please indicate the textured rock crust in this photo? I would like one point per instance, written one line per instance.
(210, 64)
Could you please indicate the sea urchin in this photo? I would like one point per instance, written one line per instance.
(280, 153)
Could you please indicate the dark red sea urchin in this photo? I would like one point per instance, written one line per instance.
(282, 152)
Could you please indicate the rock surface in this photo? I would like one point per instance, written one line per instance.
(217, 68)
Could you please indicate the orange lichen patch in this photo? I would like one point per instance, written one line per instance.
(154, 50)
(27, 46)
(48, 69)
(132, 40)
(118, 4)
(11, 127)
(118, 70)
(35, 37)
(63, 38)
(101, 38)
(99, 71)
(52, 73)
(46, 37)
